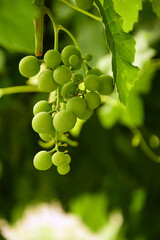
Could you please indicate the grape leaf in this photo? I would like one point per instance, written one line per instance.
(122, 46)
(156, 7)
(16, 25)
(129, 11)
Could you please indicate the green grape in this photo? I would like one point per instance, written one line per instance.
(92, 99)
(42, 160)
(95, 71)
(59, 158)
(88, 57)
(29, 66)
(41, 106)
(63, 169)
(92, 82)
(74, 60)
(68, 90)
(64, 121)
(52, 59)
(106, 85)
(68, 158)
(77, 77)
(42, 123)
(87, 114)
(47, 137)
(67, 52)
(84, 4)
(62, 74)
(77, 106)
(46, 81)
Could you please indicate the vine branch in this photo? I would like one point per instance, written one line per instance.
(18, 89)
(81, 10)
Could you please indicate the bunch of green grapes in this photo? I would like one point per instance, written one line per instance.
(76, 88)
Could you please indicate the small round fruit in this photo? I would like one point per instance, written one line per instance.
(77, 106)
(62, 74)
(29, 66)
(42, 160)
(68, 158)
(52, 59)
(46, 81)
(68, 90)
(59, 158)
(64, 121)
(88, 57)
(74, 60)
(47, 137)
(42, 123)
(87, 114)
(92, 99)
(92, 82)
(41, 106)
(84, 4)
(67, 52)
(106, 82)
(63, 169)
(94, 70)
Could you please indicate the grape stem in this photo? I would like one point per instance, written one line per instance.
(39, 26)
(18, 89)
(70, 35)
(55, 27)
(144, 146)
(64, 138)
(81, 10)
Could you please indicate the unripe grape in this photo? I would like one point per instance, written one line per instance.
(63, 169)
(106, 82)
(59, 158)
(92, 82)
(77, 77)
(29, 66)
(64, 121)
(47, 137)
(62, 74)
(68, 158)
(92, 99)
(94, 70)
(84, 4)
(77, 106)
(68, 89)
(87, 114)
(67, 52)
(42, 160)
(52, 59)
(41, 106)
(42, 123)
(88, 57)
(74, 60)
(46, 82)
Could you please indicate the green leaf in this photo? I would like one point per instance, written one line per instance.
(122, 46)
(156, 7)
(16, 25)
(129, 10)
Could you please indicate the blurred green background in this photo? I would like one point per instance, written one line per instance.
(111, 171)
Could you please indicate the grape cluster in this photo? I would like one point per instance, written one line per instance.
(77, 94)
